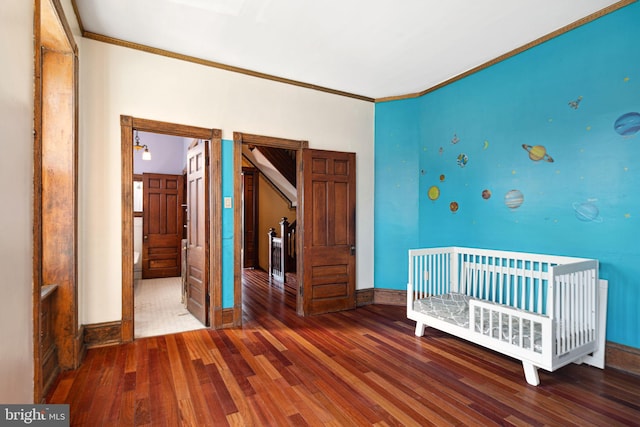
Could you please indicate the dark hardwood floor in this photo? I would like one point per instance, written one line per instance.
(360, 367)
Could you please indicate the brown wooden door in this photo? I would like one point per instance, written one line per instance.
(249, 217)
(198, 232)
(162, 225)
(329, 213)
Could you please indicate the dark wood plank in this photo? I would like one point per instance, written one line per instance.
(360, 367)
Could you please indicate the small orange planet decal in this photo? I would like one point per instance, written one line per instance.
(537, 153)
(486, 194)
(441, 178)
(454, 207)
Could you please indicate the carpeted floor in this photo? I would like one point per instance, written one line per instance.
(159, 310)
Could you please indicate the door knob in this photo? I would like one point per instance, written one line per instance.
(353, 250)
(146, 237)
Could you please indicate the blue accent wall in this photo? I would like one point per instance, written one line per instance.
(556, 123)
(227, 224)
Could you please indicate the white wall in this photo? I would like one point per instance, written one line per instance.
(16, 213)
(168, 154)
(116, 80)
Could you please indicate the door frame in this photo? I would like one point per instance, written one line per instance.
(240, 139)
(53, 36)
(127, 126)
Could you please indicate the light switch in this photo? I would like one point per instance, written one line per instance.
(227, 203)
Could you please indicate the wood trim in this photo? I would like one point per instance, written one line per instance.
(213, 64)
(229, 317)
(53, 36)
(364, 297)
(127, 125)
(271, 141)
(38, 386)
(300, 235)
(514, 52)
(102, 334)
(167, 128)
(65, 25)
(380, 296)
(622, 357)
(148, 49)
(77, 14)
(389, 297)
(126, 138)
(237, 226)
(215, 230)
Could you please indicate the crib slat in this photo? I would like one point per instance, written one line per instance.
(437, 262)
(531, 285)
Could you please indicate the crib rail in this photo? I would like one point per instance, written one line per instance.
(511, 331)
(575, 305)
(429, 272)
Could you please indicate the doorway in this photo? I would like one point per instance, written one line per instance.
(161, 225)
(325, 238)
(209, 271)
(244, 139)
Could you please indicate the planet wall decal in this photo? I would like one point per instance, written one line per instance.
(433, 193)
(462, 160)
(454, 207)
(486, 194)
(513, 199)
(587, 212)
(627, 124)
(537, 153)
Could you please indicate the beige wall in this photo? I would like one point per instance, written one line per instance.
(16, 214)
(116, 80)
(271, 208)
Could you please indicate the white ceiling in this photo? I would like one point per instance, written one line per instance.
(372, 48)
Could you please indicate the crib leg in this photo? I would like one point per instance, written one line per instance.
(531, 373)
(420, 329)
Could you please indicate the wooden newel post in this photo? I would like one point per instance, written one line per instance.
(272, 234)
(284, 250)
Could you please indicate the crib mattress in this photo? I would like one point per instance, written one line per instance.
(454, 308)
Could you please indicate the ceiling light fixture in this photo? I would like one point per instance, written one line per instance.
(146, 154)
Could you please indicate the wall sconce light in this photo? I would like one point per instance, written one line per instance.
(146, 154)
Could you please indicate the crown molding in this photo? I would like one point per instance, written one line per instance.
(205, 62)
(514, 52)
(213, 64)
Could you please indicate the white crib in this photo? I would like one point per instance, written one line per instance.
(547, 311)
